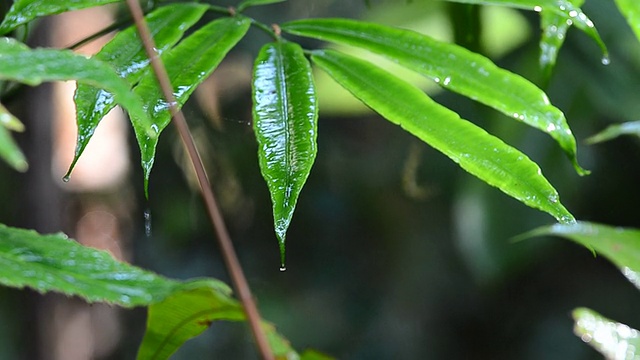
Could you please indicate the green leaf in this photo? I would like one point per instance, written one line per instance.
(285, 114)
(621, 246)
(184, 315)
(23, 11)
(9, 121)
(55, 263)
(32, 67)
(188, 64)
(126, 54)
(10, 152)
(571, 13)
(178, 310)
(554, 31)
(630, 9)
(189, 312)
(476, 151)
(250, 3)
(613, 131)
(454, 68)
(612, 339)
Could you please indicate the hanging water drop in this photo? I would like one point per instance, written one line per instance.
(283, 268)
(66, 178)
(147, 222)
(606, 60)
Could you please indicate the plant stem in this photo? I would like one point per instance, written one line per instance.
(224, 240)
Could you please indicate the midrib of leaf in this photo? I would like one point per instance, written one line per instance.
(284, 109)
(169, 336)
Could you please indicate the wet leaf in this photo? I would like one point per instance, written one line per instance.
(55, 263)
(250, 3)
(554, 32)
(566, 9)
(32, 67)
(476, 151)
(454, 68)
(285, 116)
(630, 9)
(126, 54)
(23, 11)
(613, 131)
(190, 311)
(188, 64)
(620, 245)
(178, 311)
(184, 315)
(612, 339)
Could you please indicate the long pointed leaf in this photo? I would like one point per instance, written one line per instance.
(571, 13)
(454, 68)
(32, 67)
(631, 11)
(127, 56)
(285, 116)
(554, 31)
(476, 151)
(613, 131)
(23, 11)
(188, 64)
(621, 246)
(614, 340)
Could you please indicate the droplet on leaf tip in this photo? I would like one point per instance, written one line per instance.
(66, 178)
(283, 268)
(606, 60)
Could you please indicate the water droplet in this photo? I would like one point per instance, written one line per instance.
(154, 127)
(283, 268)
(147, 222)
(605, 60)
(446, 81)
(537, 8)
(66, 178)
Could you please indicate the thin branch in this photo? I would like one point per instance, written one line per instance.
(228, 253)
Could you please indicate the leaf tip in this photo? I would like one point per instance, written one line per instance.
(22, 165)
(579, 169)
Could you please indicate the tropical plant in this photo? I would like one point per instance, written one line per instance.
(152, 68)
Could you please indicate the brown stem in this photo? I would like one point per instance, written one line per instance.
(228, 253)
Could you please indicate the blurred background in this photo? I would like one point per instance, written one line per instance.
(394, 252)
